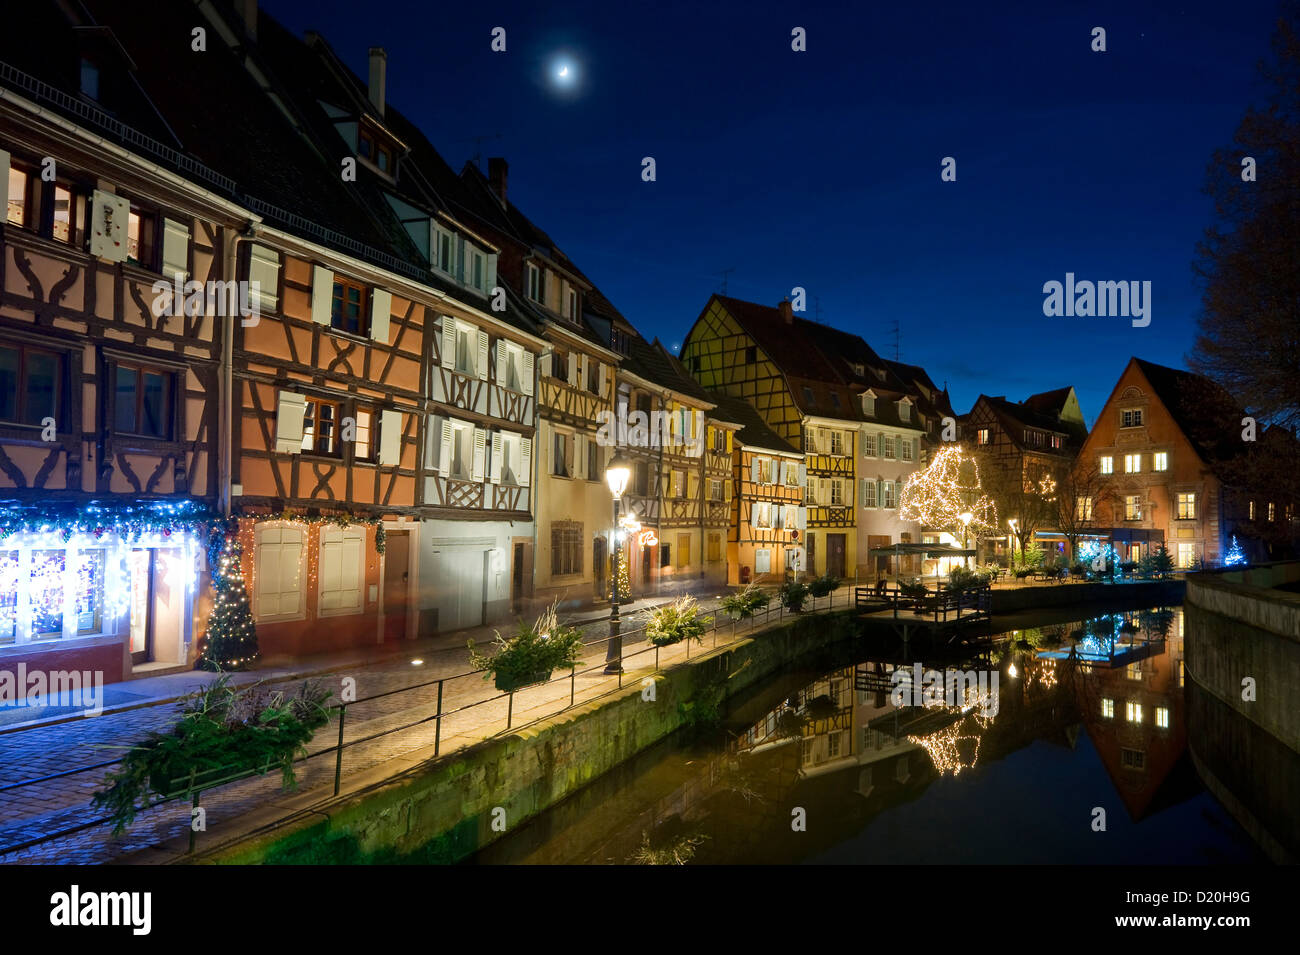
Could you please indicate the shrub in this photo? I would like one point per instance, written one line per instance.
(1023, 572)
(960, 578)
(531, 654)
(793, 594)
(675, 622)
(224, 732)
(823, 585)
(1163, 563)
(746, 602)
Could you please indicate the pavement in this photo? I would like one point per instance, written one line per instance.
(64, 752)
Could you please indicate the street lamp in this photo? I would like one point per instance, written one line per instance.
(617, 473)
(966, 518)
(1011, 541)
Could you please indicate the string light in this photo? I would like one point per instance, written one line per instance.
(943, 494)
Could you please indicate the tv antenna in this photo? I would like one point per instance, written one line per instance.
(895, 332)
(478, 141)
(724, 273)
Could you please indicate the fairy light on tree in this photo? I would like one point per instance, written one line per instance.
(946, 493)
(231, 640)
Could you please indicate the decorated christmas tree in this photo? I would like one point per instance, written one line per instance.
(1235, 555)
(624, 576)
(231, 640)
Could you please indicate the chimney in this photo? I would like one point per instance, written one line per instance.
(497, 172)
(378, 77)
(787, 312)
(248, 12)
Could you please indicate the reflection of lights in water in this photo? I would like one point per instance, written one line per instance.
(944, 746)
(1012, 671)
(1045, 674)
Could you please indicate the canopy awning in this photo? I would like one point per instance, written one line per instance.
(926, 550)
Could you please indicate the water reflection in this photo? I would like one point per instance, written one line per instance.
(854, 765)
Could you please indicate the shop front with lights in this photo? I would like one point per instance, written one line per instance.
(113, 589)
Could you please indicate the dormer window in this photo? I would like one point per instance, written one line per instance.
(444, 250)
(375, 151)
(573, 304)
(869, 405)
(533, 280)
(904, 411)
(859, 369)
(89, 78)
(475, 268)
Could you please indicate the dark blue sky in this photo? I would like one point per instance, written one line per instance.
(821, 169)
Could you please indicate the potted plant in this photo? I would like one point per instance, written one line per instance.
(675, 622)
(531, 654)
(224, 733)
(823, 585)
(793, 594)
(745, 602)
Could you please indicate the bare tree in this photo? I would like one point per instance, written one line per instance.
(1082, 496)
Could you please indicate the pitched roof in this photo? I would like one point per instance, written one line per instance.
(754, 432)
(1203, 410)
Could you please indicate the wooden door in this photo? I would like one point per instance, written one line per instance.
(835, 555)
(397, 584)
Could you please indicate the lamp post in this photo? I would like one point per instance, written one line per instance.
(1011, 543)
(616, 477)
(966, 518)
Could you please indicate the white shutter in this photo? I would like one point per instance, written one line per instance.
(109, 216)
(176, 248)
(481, 368)
(288, 422)
(497, 458)
(480, 448)
(604, 379)
(580, 456)
(803, 474)
(862, 493)
(490, 273)
(448, 342)
(432, 441)
(548, 363)
(381, 311)
(527, 384)
(322, 294)
(503, 356)
(264, 269)
(573, 368)
(802, 516)
(390, 438)
(447, 435)
(754, 469)
(525, 473)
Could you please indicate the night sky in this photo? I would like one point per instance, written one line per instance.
(822, 169)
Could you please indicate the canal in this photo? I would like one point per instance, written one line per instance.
(1063, 743)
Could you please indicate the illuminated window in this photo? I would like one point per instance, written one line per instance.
(1272, 511)
(1186, 507)
(1251, 514)
(837, 492)
(868, 492)
(1133, 712)
(45, 589)
(1132, 507)
(142, 237)
(1133, 671)
(1160, 461)
(887, 446)
(362, 445)
(1083, 508)
(20, 205)
(1132, 463)
(1107, 708)
(837, 442)
(982, 436)
(1162, 717)
(1186, 555)
(887, 494)
(1107, 464)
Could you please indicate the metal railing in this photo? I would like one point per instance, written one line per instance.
(722, 632)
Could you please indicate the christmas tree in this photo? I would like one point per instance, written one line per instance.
(1235, 554)
(231, 640)
(624, 576)
(1164, 563)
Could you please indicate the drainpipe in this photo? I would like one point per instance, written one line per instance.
(225, 403)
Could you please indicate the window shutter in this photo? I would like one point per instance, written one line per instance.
(803, 517)
(584, 372)
(381, 311)
(726, 489)
(525, 474)
(176, 248)
(497, 457)
(322, 294)
(502, 357)
(444, 446)
(803, 474)
(548, 362)
(604, 379)
(580, 456)
(448, 342)
(862, 493)
(490, 273)
(753, 467)
(390, 438)
(709, 434)
(481, 367)
(573, 368)
(729, 442)
(527, 383)
(109, 216)
(288, 422)
(480, 448)
(432, 441)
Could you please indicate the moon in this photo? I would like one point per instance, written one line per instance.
(564, 71)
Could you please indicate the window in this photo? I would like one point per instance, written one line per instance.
(1131, 418)
(142, 237)
(868, 445)
(808, 395)
(466, 349)
(1132, 507)
(1107, 708)
(142, 402)
(511, 468)
(1107, 464)
(533, 280)
(1134, 671)
(1132, 463)
(445, 251)
(465, 448)
(641, 479)
(715, 489)
(906, 445)
(1251, 511)
(1056, 442)
(572, 305)
(69, 213)
(904, 411)
(982, 436)
(1272, 511)
(566, 548)
(1162, 717)
(869, 405)
(762, 514)
(715, 548)
(1160, 461)
(1133, 712)
(791, 474)
(833, 745)
(475, 268)
(868, 492)
(1083, 508)
(21, 207)
(887, 494)
(679, 484)
(763, 561)
(1186, 554)
(810, 440)
(368, 147)
(341, 569)
(278, 565)
(837, 443)
(1133, 758)
(348, 308)
(362, 448)
(320, 427)
(835, 399)
(594, 471)
(561, 444)
(665, 555)
(887, 446)
(837, 492)
(31, 385)
(1187, 507)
